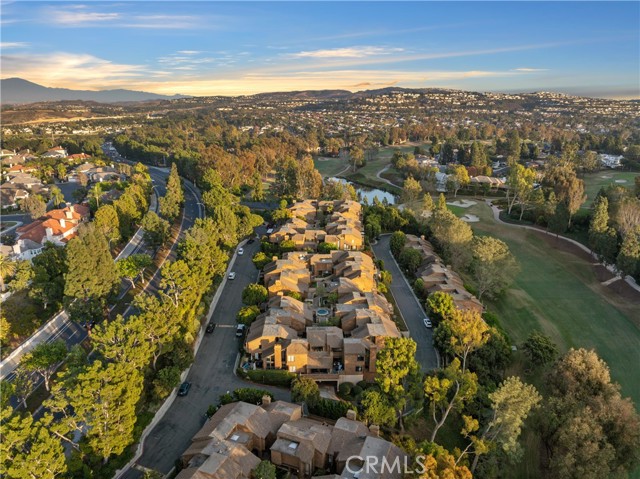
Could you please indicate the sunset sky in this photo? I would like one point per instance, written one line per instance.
(209, 48)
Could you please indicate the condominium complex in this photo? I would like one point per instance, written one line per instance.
(231, 444)
(325, 318)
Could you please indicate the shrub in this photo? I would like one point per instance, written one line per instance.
(251, 395)
(344, 390)
(274, 377)
(247, 314)
(260, 260)
(254, 294)
(330, 409)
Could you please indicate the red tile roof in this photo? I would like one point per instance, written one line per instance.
(37, 231)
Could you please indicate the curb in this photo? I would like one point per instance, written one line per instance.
(169, 401)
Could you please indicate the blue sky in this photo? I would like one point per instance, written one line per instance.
(210, 48)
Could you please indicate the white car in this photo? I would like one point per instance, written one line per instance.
(427, 323)
(241, 251)
(232, 275)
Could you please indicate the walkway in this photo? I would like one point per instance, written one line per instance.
(386, 167)
(612, 269)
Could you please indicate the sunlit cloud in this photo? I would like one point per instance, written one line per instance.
(67, 70)
(349, 52)
(77, 17)
(530, 70)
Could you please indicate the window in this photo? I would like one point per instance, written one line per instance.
(292, 369)
(291, 359)
(360, 357)
(358, 369)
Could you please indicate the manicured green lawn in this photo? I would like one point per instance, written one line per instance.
(594, 181)
(558, 293)
(329, 166)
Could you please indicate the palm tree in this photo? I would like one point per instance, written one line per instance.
(56, 196)
(7, 268)
(96, 191)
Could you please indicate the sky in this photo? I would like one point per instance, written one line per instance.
(239, 48)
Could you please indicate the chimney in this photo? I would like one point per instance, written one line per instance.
(374, 430)
(49, 233)
(69, 214)
(63, 223)
(72, 208)
(351, 415)
(266, 399)
(277, 356)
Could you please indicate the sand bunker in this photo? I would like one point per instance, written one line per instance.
(462, 203)
(470, 218)
(621, 181)
(606, 176)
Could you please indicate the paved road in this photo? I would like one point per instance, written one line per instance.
(409, 306)
(211, 375)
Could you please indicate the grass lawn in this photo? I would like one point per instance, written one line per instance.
(330, 166)
(558, 293)
(594, 181)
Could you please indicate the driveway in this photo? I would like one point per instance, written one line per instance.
(211, 375)
(409, 307)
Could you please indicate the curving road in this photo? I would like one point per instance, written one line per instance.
(211, 375)
(409, 307)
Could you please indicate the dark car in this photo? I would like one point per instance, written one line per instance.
(210, 327)
(240, 330)
(251, 241)
(184, 388)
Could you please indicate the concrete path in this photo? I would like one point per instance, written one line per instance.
(611, 268)
(379, 173)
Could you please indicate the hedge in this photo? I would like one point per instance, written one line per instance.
(274, 377)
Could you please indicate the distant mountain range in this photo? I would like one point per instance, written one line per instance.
(17, 90)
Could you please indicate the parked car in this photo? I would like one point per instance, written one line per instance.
(240, 330)
(232, 275)
(241, 251)
(184, 388)
(427, 323)
(251, 241)
(210, 327)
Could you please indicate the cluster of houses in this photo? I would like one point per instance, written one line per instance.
(19, 180)
(56, 226)
(436, 276)
(232, 443)
(19, 169)
(325, 317)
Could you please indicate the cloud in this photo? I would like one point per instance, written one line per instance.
(165, 22)
(8, 45)
(68, 70)
(348, 52)
(81, 16)
(251, 82)
(530, 70)
(78, 17)
(189, 52)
